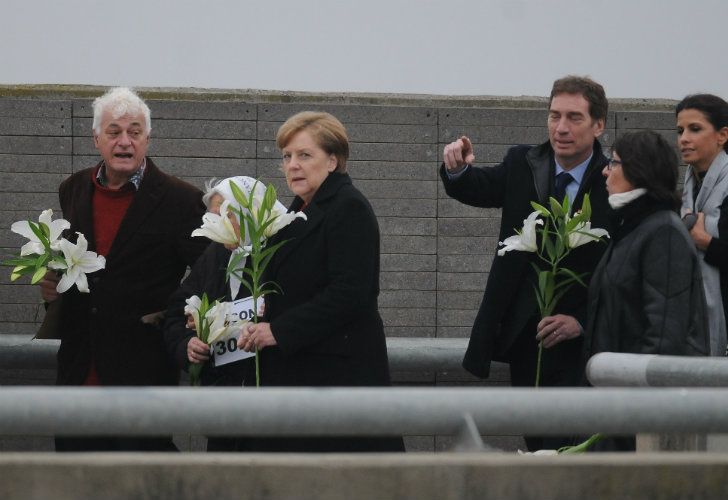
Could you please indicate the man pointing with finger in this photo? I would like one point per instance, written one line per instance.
(507, 327)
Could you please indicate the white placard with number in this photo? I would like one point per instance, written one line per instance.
(225, 349)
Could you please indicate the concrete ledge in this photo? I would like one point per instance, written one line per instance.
(31, 91)
(324, 477)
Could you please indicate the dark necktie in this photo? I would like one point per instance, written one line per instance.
(562, 180)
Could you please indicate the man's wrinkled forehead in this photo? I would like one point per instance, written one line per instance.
(108, 120)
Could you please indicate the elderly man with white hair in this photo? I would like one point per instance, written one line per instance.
(140, 219)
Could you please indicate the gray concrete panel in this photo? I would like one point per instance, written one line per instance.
(456, 317)
(496, 134)
(407, 262)
(32, 182)
(32, 201)
(358, 477)
(450, 299)
(393, 280)
(35, 163)
(183, 109)
(186, 129)
(409, 244)
(369, 132)
(480, 245)
(645, 119)
(404, 207)
(413, 115)
(392, 170)
(59, 127)
(469, 282)
(34, 108)
(466, 117)
(405, 190)
(468, 227)
(31, 145)
(407, 226)
(464, 263)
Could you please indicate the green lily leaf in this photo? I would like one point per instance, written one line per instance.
(541, 209)
(556, 208)
(38, 275)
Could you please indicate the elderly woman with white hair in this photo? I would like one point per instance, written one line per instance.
(208, 275)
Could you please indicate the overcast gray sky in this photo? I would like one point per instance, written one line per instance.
(636, 48)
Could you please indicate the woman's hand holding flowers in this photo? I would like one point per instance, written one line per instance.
(256, 335)
(197, 351)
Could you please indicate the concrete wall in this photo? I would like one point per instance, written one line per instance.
(441, 477)
(436, 252)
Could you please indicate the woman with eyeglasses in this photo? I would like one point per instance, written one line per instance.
(646, 294)
(702, 138)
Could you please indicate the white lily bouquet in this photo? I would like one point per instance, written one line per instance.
(47, 250)
(559, 233)
(258, 216)
(211, 323)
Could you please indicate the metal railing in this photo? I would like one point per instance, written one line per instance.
(405, 354)
(610, 369)
(358, 411)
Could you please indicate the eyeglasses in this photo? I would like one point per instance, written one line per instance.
(612, 162)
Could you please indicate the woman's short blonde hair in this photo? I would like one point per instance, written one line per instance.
(326, 130)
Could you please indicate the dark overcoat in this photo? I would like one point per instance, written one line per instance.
(326, 318)
(646, 295)
(113, 325)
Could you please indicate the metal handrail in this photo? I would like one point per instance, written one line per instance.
(357, 411)
(609, 369)
(405, 354)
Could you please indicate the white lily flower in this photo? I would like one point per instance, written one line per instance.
(583, 233)
(78, 262)
(193, 309)
(219, 324)
(525, 240)
(218, 228)
(278, 214)
(538, 452)
(34, 246)
(281, 218)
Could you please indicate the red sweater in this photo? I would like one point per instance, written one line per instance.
(109, 208)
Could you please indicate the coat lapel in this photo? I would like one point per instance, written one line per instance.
(151, 191)
(83, 221)
(540, 161)
(595, 167)
(315, 212)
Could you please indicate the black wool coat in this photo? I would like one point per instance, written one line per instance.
(326, 319)
(145, 264)
(525, 175)
(646, 295)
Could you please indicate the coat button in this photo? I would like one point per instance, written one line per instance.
(94, 310)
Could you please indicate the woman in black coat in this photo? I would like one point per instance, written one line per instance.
(646, 295)
(324, 328)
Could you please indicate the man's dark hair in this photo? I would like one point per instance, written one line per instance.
(591, 90)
